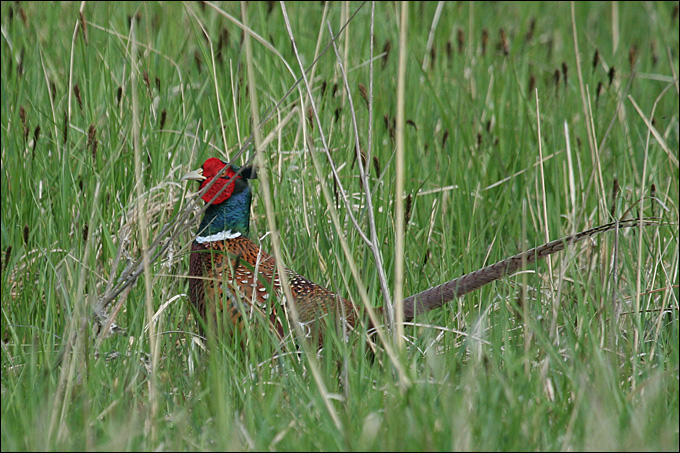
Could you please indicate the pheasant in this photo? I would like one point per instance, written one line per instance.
(227, 267)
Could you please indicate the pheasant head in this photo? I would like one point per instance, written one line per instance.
(228, 213)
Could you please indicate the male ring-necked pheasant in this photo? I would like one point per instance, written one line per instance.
(226, 266)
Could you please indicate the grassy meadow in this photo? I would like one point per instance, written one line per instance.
(484, 128)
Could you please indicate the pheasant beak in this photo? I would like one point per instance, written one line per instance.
(196, 175)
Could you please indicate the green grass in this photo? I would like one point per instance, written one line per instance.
(585, 357)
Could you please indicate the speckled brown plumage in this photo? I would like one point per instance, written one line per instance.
(238, 272)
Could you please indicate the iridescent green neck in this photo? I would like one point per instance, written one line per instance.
(231, 215)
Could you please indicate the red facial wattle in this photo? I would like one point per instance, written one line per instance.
(210, 168)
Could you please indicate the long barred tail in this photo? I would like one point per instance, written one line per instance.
(437, 296)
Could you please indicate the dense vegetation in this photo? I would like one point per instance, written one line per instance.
(523, 123)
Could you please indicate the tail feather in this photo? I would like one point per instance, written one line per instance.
(437, 296)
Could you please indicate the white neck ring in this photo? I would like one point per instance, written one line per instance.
(221, 236)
